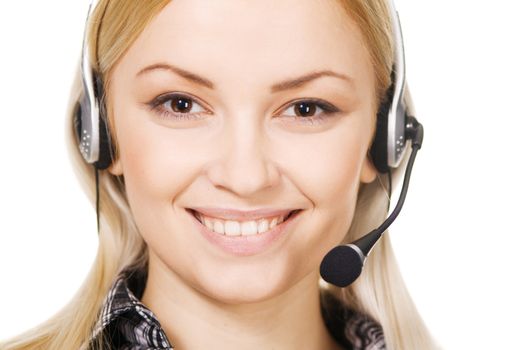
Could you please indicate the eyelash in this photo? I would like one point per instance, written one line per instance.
(157, 105)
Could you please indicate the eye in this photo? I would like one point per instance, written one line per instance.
(180, 104)
(310, 110)
(177, 106)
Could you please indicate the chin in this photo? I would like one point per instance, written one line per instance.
(244, 286)
(242, 295)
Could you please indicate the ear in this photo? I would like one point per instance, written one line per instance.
(368, 171)
(116, 167)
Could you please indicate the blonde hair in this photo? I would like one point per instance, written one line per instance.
(380, 291)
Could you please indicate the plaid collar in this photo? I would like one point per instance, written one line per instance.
(130, 325)
(127, 322)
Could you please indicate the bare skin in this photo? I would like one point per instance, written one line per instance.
(244, 145)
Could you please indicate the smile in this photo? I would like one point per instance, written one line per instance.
(238, 237)
(241, 228)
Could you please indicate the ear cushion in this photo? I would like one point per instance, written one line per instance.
(77, 117)
(378, 151)
(82, 109)
(105, 155)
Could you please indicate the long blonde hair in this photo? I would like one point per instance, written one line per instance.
(380, 291)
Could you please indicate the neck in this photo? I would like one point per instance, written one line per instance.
(192, 320)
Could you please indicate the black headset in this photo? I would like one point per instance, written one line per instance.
(396, 125)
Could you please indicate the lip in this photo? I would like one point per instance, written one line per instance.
(245, 245)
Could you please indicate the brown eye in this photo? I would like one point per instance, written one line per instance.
(305, 109)
(310, 109)
(181, 105)
(178, 107)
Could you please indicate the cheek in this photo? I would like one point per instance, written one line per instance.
(156, 166)
(155, 160)
(145, 165)
(334, 168)
(326, 168)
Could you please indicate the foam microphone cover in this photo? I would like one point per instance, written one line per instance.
(341, 266)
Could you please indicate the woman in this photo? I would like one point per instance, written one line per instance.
(240, 140)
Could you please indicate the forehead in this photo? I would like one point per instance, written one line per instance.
(253, 40)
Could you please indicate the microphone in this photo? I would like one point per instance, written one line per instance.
(343, 264)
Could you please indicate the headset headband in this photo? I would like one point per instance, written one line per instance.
(89, 138)
(396, 115)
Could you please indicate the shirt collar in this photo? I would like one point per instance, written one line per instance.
(128, 321)
(125, 319)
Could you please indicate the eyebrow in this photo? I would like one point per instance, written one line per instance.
(281, 86)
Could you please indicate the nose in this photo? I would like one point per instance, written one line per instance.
(245, 165)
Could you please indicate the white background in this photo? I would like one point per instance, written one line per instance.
(459, 238)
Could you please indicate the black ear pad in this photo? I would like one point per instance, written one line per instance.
(105, 155)
(378, 151)
(77, 117)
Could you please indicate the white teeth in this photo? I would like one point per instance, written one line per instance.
(249, 228)
(232, 228)
(236, 228)
(218, 227)
(273, 223)
(263, 226)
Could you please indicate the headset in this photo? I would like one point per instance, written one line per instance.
(396, 128)
(90, 120)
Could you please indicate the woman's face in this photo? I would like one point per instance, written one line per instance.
(243, 105)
